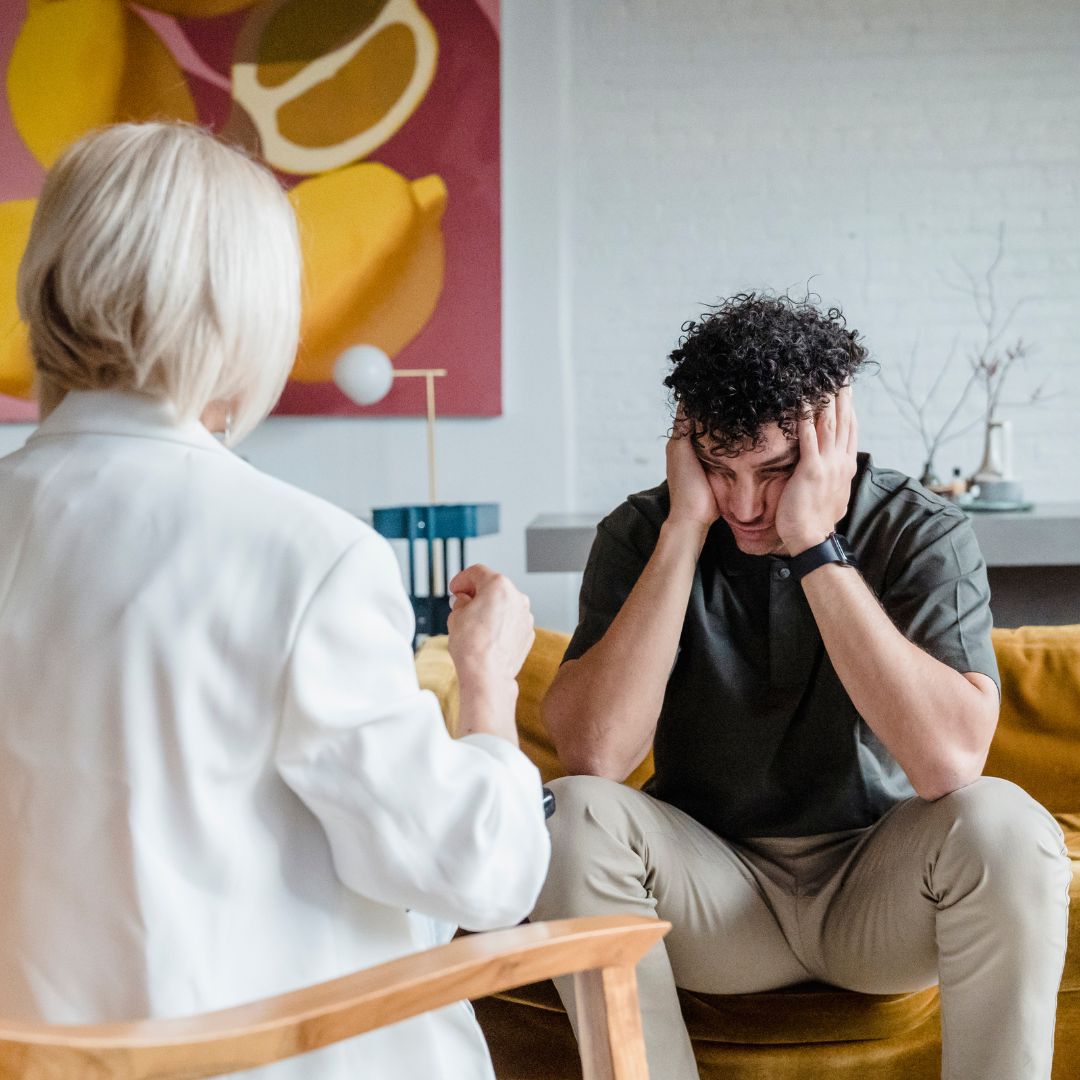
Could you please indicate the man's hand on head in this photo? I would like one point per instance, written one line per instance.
(692, 499)
(816, 497)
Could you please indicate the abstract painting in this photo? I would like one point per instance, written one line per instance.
(380, 117)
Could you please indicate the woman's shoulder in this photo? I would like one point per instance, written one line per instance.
(297, 543)
(280, 512)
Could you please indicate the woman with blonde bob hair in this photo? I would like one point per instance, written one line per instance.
(220, 777)
(166, 263)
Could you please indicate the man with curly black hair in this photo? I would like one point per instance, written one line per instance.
(803, 638)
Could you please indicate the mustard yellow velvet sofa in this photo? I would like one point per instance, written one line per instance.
(813, 1031)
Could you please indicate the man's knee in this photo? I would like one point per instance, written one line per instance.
(994, 814)
(593, 863)
(1015, 841)
(584, 804)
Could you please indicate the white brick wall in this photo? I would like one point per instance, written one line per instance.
(660, 153)
(867, 146)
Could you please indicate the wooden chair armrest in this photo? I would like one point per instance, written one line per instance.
(274, 1028)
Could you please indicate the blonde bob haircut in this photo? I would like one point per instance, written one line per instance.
(162, 261)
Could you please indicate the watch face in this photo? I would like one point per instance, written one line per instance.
(843, 547)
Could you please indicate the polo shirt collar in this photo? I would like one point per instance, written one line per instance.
(733, 562)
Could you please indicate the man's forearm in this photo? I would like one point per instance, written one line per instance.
(935, 721)
(602, 708)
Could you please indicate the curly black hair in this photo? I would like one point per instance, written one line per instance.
(756, 359)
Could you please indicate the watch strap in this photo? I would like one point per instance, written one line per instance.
(833, 549)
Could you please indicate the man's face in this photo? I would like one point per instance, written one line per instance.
(747, 488)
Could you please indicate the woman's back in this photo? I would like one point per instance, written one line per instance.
(209, 718)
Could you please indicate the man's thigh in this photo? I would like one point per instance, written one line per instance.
(929, 883)
(619, 850)
(872, 927)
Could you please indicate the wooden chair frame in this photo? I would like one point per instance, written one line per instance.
(601, 952)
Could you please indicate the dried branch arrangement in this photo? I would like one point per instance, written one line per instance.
(990, 362)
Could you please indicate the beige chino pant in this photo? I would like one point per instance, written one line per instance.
(970, 891)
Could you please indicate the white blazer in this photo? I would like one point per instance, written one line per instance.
(218, 777)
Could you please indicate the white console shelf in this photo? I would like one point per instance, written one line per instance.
(1033, 557)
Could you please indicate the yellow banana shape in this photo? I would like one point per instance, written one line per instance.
(373, 268)
(16, 370)
(79, 64)
(373, 261)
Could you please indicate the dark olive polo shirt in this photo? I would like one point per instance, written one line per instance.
(757, 736)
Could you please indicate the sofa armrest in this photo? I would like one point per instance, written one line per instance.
(1037, 743)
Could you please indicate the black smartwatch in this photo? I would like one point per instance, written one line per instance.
(833, 549)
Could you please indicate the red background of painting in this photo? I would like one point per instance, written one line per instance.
(454, 133)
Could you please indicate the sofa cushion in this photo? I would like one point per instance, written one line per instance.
(808, 1013)
(1037, 744)
(535, 1044)
(435, 671)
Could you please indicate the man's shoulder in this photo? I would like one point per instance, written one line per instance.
(639, 515)
(885, 492)
(891, 514)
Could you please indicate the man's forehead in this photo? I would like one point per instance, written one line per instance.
(771, 443)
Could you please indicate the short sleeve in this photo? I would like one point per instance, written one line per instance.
(938, 595)
(415, 819)
(617, 558)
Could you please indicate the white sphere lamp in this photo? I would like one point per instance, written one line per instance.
(364, 374)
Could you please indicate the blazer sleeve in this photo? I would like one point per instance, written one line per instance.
(415, 819)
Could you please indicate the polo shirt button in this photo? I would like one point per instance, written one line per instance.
(783, 572)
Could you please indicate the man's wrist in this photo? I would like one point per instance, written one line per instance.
(804, 541)
(686, 529)
(834, 550)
